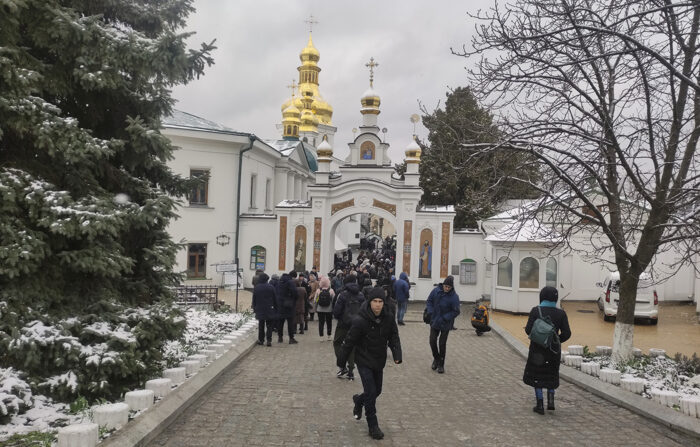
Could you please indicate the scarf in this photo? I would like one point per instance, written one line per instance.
(545, 303)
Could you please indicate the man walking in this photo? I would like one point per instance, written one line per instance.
(372, 330)
(401, 288)
(347, 306)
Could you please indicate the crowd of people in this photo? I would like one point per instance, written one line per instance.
(368, 303)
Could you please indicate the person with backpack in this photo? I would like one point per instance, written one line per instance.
(347, 306)
(323, 306)
(286, 306)
(480, 319)
(371, 332)
(443, 307)
(542, 366)
(401, 288)
(265, 307)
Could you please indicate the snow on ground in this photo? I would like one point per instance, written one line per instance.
(203, 328)
(660, 373)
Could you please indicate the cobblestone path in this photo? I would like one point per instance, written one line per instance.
(288, 395)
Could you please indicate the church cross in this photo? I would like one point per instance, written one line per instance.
(293, 86)
(371, 64)
(311, 22)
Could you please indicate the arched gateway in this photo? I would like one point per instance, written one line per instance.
(366, 183)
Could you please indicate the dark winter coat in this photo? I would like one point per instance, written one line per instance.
(351, 289)
(370, 335)
(264, 299)
(443, 308)
(301, 298)
(337, 284)
(542, 367)
(286, 296)
(401, 287)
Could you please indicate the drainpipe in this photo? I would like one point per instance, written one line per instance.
(238, 210)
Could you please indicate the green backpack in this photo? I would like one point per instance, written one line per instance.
(544, 333)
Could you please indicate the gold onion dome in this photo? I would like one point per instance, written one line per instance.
(309, 121)
(324, 150)
(310, 53)
(413, 152)
(370, 101)
(293, 101)
(325, 111)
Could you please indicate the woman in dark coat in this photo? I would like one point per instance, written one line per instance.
(443, 307)
(265, 307)
(542, 367)
(286, 306)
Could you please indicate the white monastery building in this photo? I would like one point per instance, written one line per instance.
(288, 204)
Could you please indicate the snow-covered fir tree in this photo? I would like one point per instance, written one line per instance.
(85, 193)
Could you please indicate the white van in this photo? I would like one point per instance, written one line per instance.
(646, 307)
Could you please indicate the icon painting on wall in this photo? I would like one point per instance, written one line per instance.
(426, 254)
(300, 248)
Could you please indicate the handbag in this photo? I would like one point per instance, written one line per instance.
(543, 332)
(426, 316)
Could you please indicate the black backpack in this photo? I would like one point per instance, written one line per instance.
(324, 298)
(352, 308)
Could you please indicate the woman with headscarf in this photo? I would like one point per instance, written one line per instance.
(542, 367)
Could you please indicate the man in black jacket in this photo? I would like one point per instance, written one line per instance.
(372, 330)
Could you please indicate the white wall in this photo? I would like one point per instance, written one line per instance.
(471, 245)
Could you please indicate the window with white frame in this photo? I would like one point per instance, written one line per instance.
(529, 273)
(253, 184)
(505, 272)
(551, 278)
(467, 271)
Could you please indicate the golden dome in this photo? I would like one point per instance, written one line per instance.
(310, 53)
(309, 121)
(291, 122)
(324, 111)
(291, 112)
(324, 150)
(413, 152)
(370, 102)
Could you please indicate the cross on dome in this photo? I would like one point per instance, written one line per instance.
(293, 86)
(371, 64)
(311, 21)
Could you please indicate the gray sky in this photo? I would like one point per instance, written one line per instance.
(259, 42)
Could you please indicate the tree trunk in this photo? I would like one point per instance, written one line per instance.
(624, 323)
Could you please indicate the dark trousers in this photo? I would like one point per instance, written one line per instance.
(290, 327)
(340, 333)
(261, 329)
(372, 388)
(325, 318)
(438, 347)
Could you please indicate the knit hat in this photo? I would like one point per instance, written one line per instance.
(549, 293)
(375, 292)
(449, 281)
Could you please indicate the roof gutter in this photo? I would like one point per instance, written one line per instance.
(252, 139)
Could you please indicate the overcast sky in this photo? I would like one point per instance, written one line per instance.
(259, 42)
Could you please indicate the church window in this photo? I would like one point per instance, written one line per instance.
(296, 130)
(289, 130)
(253, 187)
(200, 192)
(196, 260)
(257, 257)
(268, 193)
(529, 273)
(551, 276)
(467, 271)
(505, 272)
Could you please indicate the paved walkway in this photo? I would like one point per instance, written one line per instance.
(288, 395)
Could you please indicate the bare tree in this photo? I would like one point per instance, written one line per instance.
(606, 95)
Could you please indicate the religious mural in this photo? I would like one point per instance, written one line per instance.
(426, 254)
(300, 248)
(367, 150)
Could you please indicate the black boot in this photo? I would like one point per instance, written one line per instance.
(357, 409)
(550, 401)
(376, 433)
(441, 366)
(539, 408)
(434, 365)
